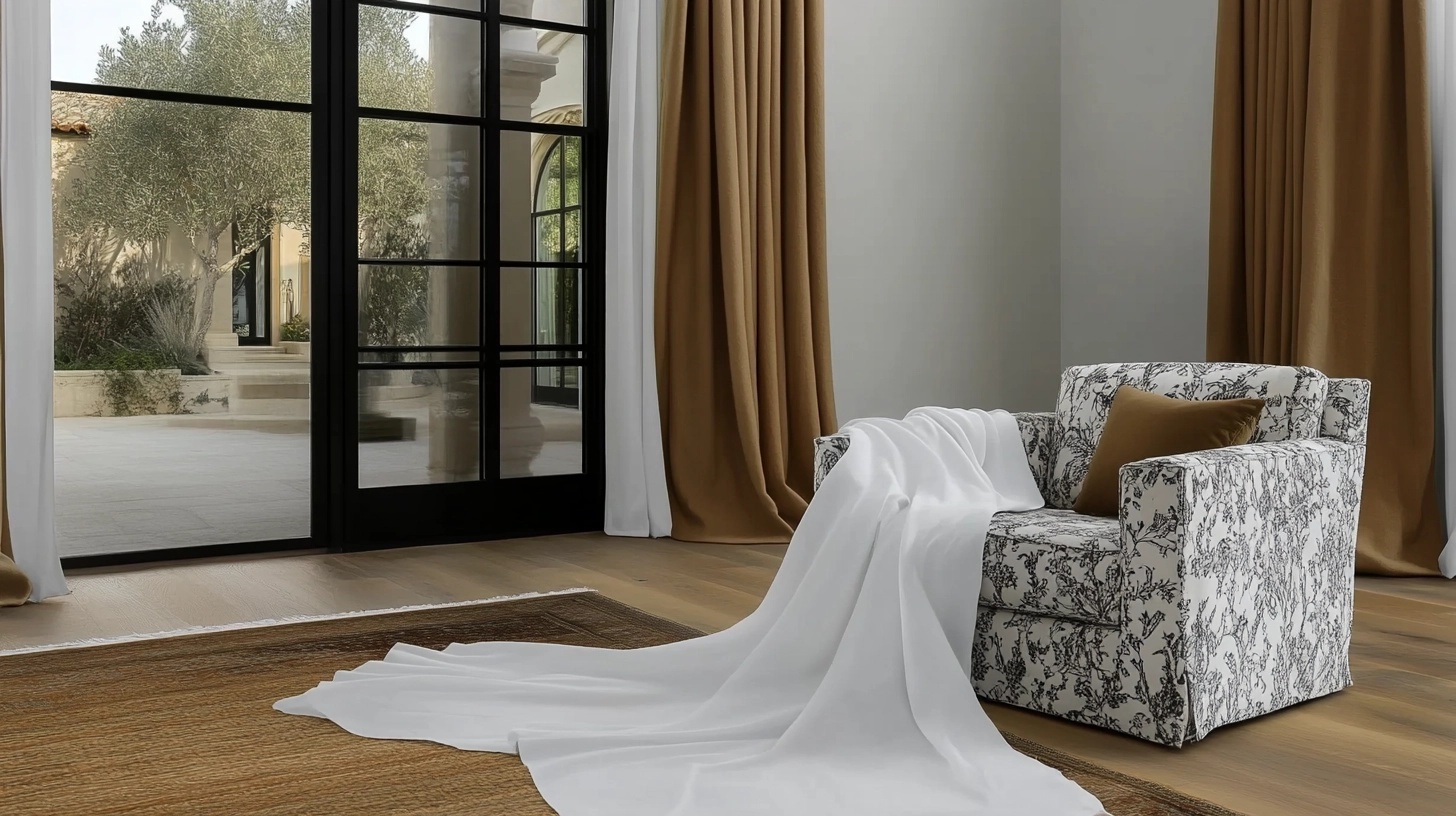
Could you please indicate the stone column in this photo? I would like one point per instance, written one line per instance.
(523, 70)
(454, 221)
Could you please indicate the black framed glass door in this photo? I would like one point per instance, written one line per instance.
(439, 429)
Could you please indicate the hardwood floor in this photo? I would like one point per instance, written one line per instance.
(1385, 746)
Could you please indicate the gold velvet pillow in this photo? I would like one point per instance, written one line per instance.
(1142, 425)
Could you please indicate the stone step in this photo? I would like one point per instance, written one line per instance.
(267, 423)
(396, 393)
(219, 357)
(272, 392)
(254, 387)
(294, 408)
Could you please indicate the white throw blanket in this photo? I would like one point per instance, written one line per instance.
(845, 693)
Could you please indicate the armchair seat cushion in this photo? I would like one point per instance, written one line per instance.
(1054, 562)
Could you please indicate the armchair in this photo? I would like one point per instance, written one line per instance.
(1224, 589)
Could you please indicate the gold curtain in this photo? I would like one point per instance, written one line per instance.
(742, 310)
(1320, 249)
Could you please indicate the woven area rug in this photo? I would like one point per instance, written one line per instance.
(184, 724)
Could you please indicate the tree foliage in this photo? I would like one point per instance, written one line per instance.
(221, 178)
(559, 237)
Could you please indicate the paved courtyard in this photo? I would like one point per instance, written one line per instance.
(148, 483)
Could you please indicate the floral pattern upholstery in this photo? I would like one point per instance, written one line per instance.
(1228, 592)
(827, 452)
(1054, 562)
(1036, 436)
(1293, 397)
(1347, 411)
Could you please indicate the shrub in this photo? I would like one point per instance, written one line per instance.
(100, 314)
(295, 330)
(97, 311)
(175, 331)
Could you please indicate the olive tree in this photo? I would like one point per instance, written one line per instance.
(219, 177)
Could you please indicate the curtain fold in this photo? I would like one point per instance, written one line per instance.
(742, 309)
(26, 432)
(1321, 232)
(636, 483)
(14, 586)
(1441, 70)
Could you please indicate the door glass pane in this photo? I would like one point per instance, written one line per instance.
(419, 193)
(557, 11)
(571, 247)
(169, 433)
(540, 198)
(415, 61)
(540, 307)
(541, 421)
(571, 170)
(257, 49)
(541, 73)
(419, 305)
(419, 426)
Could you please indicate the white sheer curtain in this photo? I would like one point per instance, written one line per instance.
(25, 196)
(636, 479)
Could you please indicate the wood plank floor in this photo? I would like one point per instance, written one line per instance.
(1385, 746)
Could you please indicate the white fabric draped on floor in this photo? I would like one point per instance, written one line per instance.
(845, 693)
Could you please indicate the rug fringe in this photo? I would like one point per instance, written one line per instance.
(256, 624)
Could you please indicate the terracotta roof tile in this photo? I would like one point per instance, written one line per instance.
(77, 114)
(74, 128)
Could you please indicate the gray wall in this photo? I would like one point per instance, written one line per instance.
(1014, 186)
(942, 152)
(1136, 124)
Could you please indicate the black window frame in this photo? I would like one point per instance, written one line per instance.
(334, 110)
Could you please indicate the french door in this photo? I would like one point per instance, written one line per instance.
(433, 426)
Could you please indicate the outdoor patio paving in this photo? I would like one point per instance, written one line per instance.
(159, 482)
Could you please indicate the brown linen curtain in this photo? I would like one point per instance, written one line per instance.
(1320, 249)
(742, 310)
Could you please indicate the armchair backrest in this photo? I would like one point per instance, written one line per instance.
(1294, 406)
(1347, 411)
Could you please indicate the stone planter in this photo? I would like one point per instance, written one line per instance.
(84, 393)
(299, 347)
(207, 393)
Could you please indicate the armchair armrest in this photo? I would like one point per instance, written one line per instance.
(827, 452)
(1036, 438)
(1238, 593)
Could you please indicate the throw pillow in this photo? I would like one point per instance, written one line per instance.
(1142, 425)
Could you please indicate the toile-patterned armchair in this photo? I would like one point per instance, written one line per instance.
(1225, 588)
